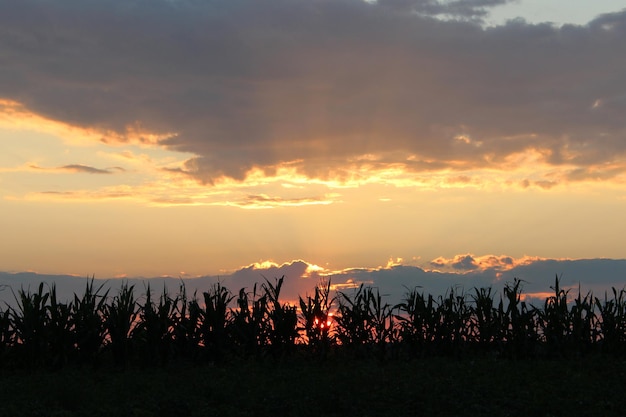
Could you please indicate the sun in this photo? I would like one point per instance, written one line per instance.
(323, 323)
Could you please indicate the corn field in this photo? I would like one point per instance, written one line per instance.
(97, 328)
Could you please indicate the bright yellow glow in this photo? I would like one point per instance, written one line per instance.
(264, 265)
(313, 269)
(394, 262)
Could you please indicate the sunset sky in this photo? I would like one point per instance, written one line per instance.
(345, 138)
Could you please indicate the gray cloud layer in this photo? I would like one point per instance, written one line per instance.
(596, 275)
(255, 83)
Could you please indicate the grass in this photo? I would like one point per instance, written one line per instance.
(433, 387)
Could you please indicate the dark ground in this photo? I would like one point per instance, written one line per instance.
(427, 387)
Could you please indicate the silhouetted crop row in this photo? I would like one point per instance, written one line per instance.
(97, 328)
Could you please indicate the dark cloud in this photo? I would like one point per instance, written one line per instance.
(257, 83)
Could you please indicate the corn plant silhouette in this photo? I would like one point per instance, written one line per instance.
(249, 328)
(486, 321)
(283, 319)
(155, 330)
(186, 318)
(120, 322)
(519, 323)
(30, 320)
(613, 323)
(88, 324)
(317, 321)
(417, 321)
(59, 331)
(364, 322)
(214, 321)
(453, 324)
(7, 339)
(94, 328)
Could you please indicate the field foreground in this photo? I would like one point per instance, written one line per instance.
(433, 387)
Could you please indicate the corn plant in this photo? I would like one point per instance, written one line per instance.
(364, 322)
(554, 320)
(486, 321)
(120, 321)
(567, 331)
(519, 323)
(613, 322)
(383, 325)
(353, 320)
(6, 329)
(88, 324)
(30, 320)
(59, 332)
(453, 325)
(417, 322)
(583, 325)
(43, 331)
(6, 334)
(249, 328)
(215, 320)
(283, 319)
(155, 329)
(317, 321)
(186, 318)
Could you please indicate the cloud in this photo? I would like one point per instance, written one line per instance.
(470, 262)
(393, 281)
(254, 84)
(170, 188)
(78, 168)
(470, 9)
(465, 263)
(264, 201)
(81, 196)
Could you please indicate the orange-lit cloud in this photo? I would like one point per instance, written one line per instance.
(469, 262)
(15, 115)
(158, 180)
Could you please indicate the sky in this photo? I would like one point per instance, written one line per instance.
(392, 142)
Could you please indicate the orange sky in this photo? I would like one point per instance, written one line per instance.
(197, 140)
